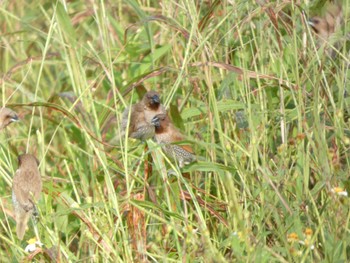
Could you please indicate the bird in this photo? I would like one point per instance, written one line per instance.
(141, 114)
(326, 26)
(167, 134)
(7, 116)
(26, 189)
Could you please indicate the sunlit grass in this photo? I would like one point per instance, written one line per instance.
(266, 111)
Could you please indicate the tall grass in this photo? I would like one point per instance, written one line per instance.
(265, 109)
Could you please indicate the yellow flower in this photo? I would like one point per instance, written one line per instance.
(308, 232)
(295, 252)
(31, 241)
(292, 237)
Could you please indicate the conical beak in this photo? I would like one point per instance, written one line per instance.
(14, 118)
(155, 99)
(155, 121)
(311, 22)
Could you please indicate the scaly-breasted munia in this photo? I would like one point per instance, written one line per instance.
(166, 133)
(140, 126)
(325, 26)
(26, 189)
(7, 116)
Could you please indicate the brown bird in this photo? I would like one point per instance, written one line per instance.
(7, 116)
(325, 26)
(26, 189)
(141, 115)
(166, 133)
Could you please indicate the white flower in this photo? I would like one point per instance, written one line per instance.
(32, 243)
(306, 243)
(339, 191)
(237, 234)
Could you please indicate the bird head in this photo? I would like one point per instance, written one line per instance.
(151, 99)
(27, 159)
(7, 116)
(155, 99)
(319, 25)
(326, 25)
(158, 120)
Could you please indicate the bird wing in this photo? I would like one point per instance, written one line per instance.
(136, 117)
(179, 137)
(19, 188)
(25, 183)
(36, 186)
(187, 148)
(125, 117)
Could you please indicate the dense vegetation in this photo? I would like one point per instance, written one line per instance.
(265, 109)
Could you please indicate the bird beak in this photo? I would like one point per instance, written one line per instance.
(155, 99)
(155, 121)
(311, 22)
(14, 118)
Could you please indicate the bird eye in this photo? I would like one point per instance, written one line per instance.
(12, 117)
(313, 21)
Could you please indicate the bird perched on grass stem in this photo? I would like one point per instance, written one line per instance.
(166, 133)
(7, 116)
(141, 114)
(26, 189)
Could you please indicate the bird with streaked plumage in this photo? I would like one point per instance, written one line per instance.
(7, 116)
(141, 115)
(26, 189)
(167, 134)
(325, 26)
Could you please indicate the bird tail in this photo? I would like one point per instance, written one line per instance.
(22, 221)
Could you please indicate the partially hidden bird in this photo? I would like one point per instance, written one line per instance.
(7, 116)
(26, 189)
(139, 124)
(325, 26)
(167, 135)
